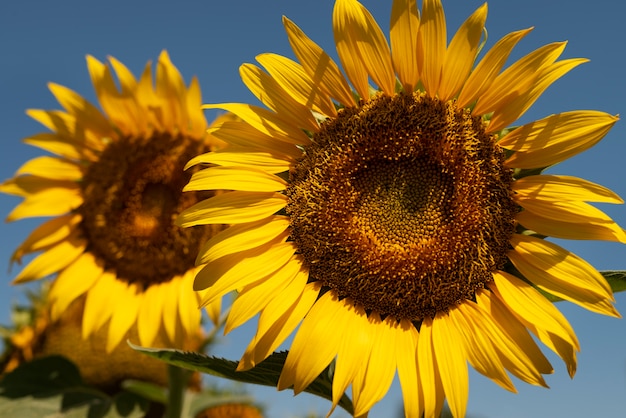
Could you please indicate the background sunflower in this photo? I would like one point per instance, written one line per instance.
(591, 32)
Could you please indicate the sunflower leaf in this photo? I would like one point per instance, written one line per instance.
(616, 279)
(265, 373)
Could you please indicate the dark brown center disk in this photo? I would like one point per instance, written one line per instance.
(132, 195)
(403, 205)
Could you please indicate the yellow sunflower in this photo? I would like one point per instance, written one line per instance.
(400, 225)
(114, 188)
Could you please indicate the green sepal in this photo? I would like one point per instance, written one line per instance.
(265, 373)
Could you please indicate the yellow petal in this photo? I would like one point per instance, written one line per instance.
(403, 35)
(197, 124)
(170, 308)
(517, 79)
(128, 83)
(461, 54)
(238, 270)
(84, 111)
(406, 340)
(232, 208)
(271, 162)
(272, 95)
(235, 178)
(556, 188)
(480, 348)
(314, 345)
(346, 48)
(539, 315)
(53, 260)
(47, 234)
(51, 202)
(241, 134)
(488, 68)
(188, 305)
(73, 281)
(150, 315)
(356, 344)
(516, 349)
(319, 66)
(452, 362)
(52, 168)
(242, 237)
(127, 303)
(432, 41)
(98, 305)
(279, 318)
(432, 388)
(266, 122)
(561, 273)
(360, 40)
(255, 296)
(556, 138)
(516, 107)
(586, 221)
(55, 144)
(381, 365)
(292, 77)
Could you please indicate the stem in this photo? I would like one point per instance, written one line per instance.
(176, 394)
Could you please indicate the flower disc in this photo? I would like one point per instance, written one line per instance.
(403, 205)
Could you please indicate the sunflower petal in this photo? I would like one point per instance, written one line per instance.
(188, 304)
(539, 315)
(461, 54)
(98, 305)
(319, 66)
(127, 303)
(568, 219)
(238, 270)
(279, 318)
(149, 317)
(517, 79)
(47, 234)
(292, 77)
(58, 199)
(555, 138)
(406, 340)
(452, 363)
(242, 237)
(84, 111)
(301, 369)
(235, 178)
(53, 259)
(52, 168)
(432, 42)
(488, 68)
(73, 281)
(403, 36)
(272, 95)
(556, 188)
(253, 297)
(266, 122)
(516, 107)
(561, 273)
(232, 208)
(267, 161)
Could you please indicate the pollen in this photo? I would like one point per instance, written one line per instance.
(403, 205)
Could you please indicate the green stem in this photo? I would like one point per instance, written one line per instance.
(178, 379)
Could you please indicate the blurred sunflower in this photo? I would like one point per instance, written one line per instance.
(114, 189)
(407, 234)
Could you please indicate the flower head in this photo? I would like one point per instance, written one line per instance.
(113, 187)
(401, 225)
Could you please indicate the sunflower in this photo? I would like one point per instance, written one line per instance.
(402, 225)
(113, 189)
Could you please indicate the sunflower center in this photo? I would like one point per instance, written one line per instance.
(403, 205)
(132, 195)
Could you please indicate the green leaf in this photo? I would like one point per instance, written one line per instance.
(146, 390)
(616, 279)
(266, 373)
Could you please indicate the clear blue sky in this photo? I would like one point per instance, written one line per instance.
(45, 41)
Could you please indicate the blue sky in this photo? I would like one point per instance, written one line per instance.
(47, 41)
